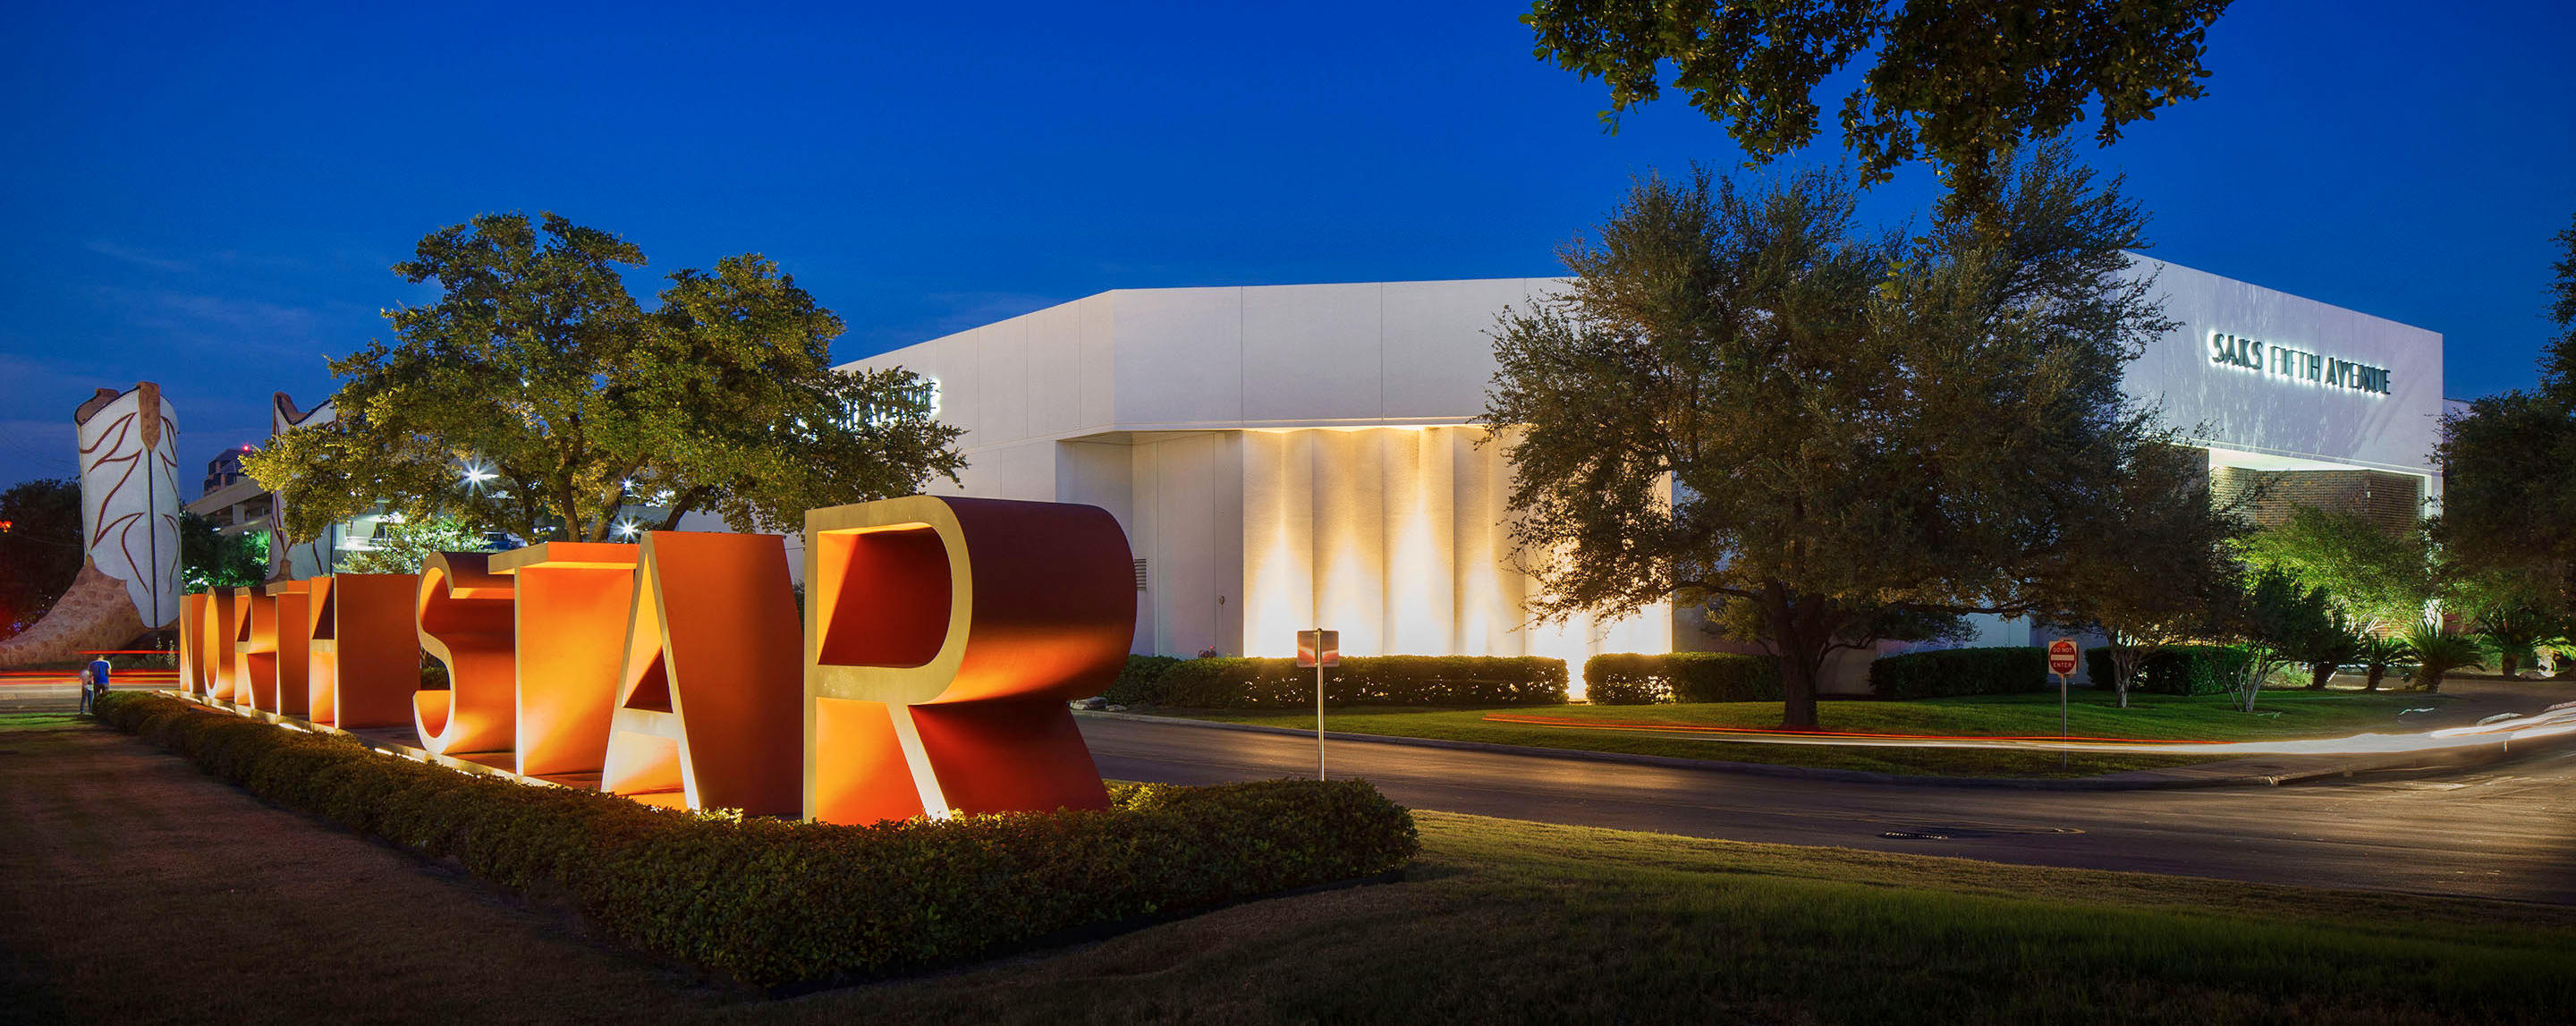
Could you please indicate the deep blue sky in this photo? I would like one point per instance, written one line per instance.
(211, 198)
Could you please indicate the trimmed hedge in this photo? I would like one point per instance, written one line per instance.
(2175, 669)
(1241, 683)
(770, 902)
(1141, 683)
(1960, 671)
(1632, 679)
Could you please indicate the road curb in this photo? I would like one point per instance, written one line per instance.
(2133, 780)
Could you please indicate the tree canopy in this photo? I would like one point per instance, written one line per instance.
(400, 546)
(1740, 396)
(1963, 83)
(2509, 465)
(2380, 579)
(537, 396)
(209, 558)
(40, 548)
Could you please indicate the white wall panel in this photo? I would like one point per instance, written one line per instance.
(1311, 353)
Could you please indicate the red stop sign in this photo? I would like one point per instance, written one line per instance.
(2061, 657)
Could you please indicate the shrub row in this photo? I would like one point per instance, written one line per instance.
(1225, 683)
(2175, 669)
(1960, 671)
(770, 902)
(1631, 679)
(1141, 683)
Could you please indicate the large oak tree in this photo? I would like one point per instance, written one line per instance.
(2509, 467)
(537, 396)
(1742, 397)
(1963, 83)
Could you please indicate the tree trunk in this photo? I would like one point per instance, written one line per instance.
(2432, 680)
(1802, 630)
(1797, 691)
(2370, 677)
(2319, 674)
(2509, 662)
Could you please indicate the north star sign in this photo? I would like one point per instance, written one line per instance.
(2278, 360)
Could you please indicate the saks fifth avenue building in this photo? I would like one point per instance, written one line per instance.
(1293, 455)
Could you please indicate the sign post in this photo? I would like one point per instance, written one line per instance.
(1319, 648)
(2061, 661)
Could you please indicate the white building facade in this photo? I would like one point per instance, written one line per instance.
(1284, 457)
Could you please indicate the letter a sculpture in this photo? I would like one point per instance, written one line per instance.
(944, 636)
(707, 703)
(129, 578)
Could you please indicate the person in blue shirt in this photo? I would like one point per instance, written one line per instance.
(93, 682)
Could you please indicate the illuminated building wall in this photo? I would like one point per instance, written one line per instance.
(1284, 457)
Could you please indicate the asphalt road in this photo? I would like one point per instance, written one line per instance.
(2505, 831)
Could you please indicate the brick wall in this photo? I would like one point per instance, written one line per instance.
(2394, 501)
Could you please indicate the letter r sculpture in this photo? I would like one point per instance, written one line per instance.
(943, 638)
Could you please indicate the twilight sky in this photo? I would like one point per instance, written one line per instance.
(211, 198)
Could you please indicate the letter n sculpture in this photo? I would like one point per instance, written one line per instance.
(944, 636)
(707, 703)
(465, 616)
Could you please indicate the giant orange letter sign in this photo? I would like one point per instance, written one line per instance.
(291, 602)
(707, 708)
(216, 661)
(366, 650)
(572, 600)
(944, 636)
(192, 644)
(255, 648)
(465, 620)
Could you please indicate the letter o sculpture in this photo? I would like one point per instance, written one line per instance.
(466, 616)
(944, 636)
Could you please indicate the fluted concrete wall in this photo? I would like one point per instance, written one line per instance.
(1397, 538)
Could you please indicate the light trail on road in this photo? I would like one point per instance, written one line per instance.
(2557, 720)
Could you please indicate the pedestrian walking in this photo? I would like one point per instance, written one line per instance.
(93, 682)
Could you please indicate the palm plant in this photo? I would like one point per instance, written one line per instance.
(2325, 645)
(2376, 654)
(2514, 630)
(2437, 653)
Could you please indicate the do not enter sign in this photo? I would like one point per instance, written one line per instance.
(2061, 657)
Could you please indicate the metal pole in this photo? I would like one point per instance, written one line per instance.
(2064, 733)
(1319, 703)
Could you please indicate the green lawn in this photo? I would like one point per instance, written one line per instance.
(2284, 714)
(132, 855)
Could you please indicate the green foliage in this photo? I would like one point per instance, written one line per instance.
(769, 902)
(1942, 673)
(2515, 629)
(40, 552)
(2271, 617)
(210, 559)
(400, 546)
(2374, 577)
(1633, 679)
(1962, 84)
(2509, 466)
(1844, 422)
(537, 396)
(1141, 682)
(1247, 683)
(2437, 654)
(2159, 557)
(2328, 644)
(2177, 669)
